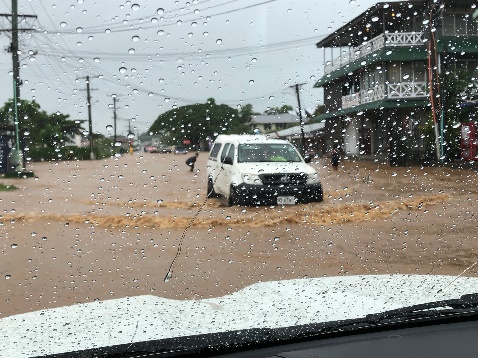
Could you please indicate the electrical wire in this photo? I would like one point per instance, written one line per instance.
(121, 24)
(70, 32)
(213, 54)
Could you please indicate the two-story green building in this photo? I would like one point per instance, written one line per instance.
(382, 74)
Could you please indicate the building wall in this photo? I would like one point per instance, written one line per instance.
(351, 144)
(333, 97)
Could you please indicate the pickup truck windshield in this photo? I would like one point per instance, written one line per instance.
(267, 152)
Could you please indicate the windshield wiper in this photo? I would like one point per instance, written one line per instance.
(430, 309)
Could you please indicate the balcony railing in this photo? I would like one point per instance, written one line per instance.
(371, 95)
(350, 100)
(391, 90)
(377, 43)
(407, 90)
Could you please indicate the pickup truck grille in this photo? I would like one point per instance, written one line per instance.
(284, 179)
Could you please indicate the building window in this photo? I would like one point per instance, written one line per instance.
(267, 126)
(414, 71)
(456, 24)
(281, 125)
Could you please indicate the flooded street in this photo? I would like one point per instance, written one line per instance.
(96, 230)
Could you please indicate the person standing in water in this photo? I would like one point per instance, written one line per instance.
(191, 161)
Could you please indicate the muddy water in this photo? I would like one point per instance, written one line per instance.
(83, 231)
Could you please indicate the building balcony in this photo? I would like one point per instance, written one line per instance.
(398, 39)
(403, 90)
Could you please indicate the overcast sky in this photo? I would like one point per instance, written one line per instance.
(155, 55)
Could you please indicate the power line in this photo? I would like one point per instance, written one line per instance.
(213, 54)
(74, 32)
(121, 24)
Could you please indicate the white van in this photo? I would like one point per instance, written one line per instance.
(254, 169)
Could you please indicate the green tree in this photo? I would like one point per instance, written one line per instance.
(199, 121)
(46, 130)
(457, 88)
(277, 110)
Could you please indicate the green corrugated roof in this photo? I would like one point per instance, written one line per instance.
(466, 44)
(458, 44)
(386, 54)
(372, 106)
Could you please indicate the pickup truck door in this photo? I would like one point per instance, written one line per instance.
(223, 181)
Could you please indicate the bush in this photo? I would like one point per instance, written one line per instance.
(102, 149)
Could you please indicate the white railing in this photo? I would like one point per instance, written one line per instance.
(404, 39)
(350, 100)
(377, 43)
(393, 90)
(373, 94)
(407, 89)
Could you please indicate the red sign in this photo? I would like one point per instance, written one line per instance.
(186, 141)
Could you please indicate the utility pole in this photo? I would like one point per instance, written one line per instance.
(296, 86)
(14, 49)
(433, 75)
(90, 121)
(114, 119)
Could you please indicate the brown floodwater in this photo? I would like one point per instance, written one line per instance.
(95, 230)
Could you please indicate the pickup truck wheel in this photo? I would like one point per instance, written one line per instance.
(233, 197)
(210, 189)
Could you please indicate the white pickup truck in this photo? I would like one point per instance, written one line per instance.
(256, 170)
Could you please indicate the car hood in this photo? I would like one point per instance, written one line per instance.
(262, 305)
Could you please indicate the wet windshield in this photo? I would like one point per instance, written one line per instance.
(248, 153)
(119, 210)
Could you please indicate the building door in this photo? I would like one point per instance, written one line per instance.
(366, 141)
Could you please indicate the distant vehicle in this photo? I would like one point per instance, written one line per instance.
(180, 150)
(153, 149)
(165, 149)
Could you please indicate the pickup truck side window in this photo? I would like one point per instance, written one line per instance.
(224, 151)
(231, 151)
(215, 150)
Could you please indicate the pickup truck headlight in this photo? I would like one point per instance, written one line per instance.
(313, 178)
(251, 179)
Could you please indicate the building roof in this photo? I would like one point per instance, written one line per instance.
(274, 118)
(407, 103)
(379, 17)
(353, 32)
(386, 54)
(296, 131)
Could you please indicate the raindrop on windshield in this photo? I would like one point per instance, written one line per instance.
(135, 38)
(160, 11)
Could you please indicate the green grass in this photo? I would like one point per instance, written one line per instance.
(19, 175)
(4, 187)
